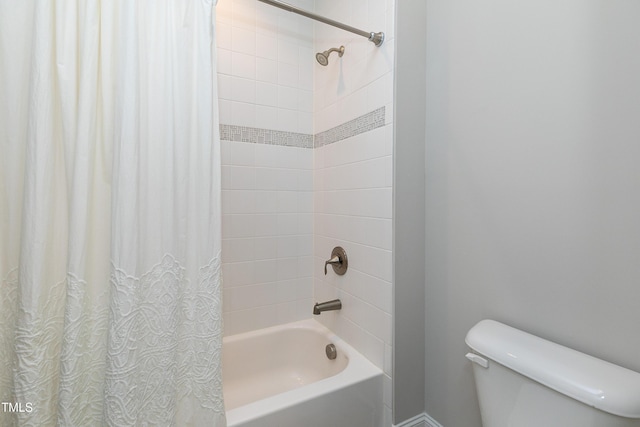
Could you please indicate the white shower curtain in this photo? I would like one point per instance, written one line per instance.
(110, 214)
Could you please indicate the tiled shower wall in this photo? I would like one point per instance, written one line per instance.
(353, 178)
(361, 81)
(267, 205)
(265, 83)
(286, 207)
(265, 66)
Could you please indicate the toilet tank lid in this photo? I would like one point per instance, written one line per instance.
(595, 382)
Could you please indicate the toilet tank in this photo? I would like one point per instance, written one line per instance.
(525, 381)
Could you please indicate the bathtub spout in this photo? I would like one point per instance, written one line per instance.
(335, 304)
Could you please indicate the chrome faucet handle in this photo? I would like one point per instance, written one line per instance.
(333, 261)
(338, 261)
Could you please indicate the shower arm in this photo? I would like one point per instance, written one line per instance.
(375, 38)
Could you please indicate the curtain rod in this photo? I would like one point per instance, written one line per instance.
(375, 38)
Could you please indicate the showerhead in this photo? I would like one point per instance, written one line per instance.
(323, 57)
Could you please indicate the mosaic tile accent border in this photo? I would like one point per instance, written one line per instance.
(265, 136)
(364, 123)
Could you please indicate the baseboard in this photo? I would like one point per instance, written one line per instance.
(422, 420)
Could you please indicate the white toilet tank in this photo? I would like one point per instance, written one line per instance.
(526, 381)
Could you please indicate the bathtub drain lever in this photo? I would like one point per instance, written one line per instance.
(331, 352)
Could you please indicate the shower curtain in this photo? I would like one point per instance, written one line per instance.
(110, 309)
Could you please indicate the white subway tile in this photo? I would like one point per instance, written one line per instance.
(287, 120)
(287, 26)
(287, 290)
(242, 177)
(388, 140)
(224, 87)
(226, 301)
(305, 273)
(266, 116)
(305, 100)
(304, 202)
(238, 250)
(243, 13)
(267, 47)
(388, 359)
(237, 225)
(306, 60)
(266, 271)
(243, 65)
(243, 40)
(359, 14)
(266, 200)
(376, 232)
(287, 179)
(287, 201)
(243, 114)
(239, 273)
(304, 245)
(266, 70)
(255, 296)
(265, 225)
(353, 105)
(266, 248)
(267, 20)
(288, 312)
(225, 177)
(252, 319)
(223, 36)
(224, 111)
(370, 346)
(284, 157)
(288, 98)
(287, 224)
(226, 148)
(288, 74)
(267, 94)
(305, 159)
(287, 268)
(376, 14)
(223, 12)
(242, 153)
(305, 122)
(266, 178)
(305, 224)
(376, 202)
(266, 156)
(373, 261)
(380, 92)
(239, 201)
(243, 90)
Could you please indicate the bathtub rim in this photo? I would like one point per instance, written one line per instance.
(358, 369)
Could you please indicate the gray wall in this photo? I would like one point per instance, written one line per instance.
(532, 182)
(409, 211)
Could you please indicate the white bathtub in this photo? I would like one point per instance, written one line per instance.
(281, 377)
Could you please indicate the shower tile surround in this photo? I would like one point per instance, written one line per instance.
(268, 214)
(307, 165)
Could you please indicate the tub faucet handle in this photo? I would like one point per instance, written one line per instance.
(333, 261)
(338, 261)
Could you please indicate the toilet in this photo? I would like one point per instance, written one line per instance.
(525, 381)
